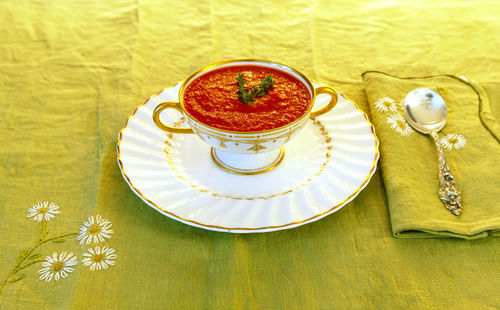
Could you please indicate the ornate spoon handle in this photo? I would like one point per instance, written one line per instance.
(448, 193)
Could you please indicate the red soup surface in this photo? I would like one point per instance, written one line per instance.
(212, 99)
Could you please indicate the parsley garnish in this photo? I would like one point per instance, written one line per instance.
(248, 96)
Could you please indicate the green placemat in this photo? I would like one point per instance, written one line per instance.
(409, 159)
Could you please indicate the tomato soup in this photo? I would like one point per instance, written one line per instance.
(212, 99)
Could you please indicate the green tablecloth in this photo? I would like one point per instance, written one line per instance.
(72, 72)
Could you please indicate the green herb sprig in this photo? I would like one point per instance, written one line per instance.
(248, 96)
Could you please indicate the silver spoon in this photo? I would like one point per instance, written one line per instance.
(425, 110)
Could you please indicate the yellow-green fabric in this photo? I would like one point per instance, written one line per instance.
(71, 72)
(409, 162)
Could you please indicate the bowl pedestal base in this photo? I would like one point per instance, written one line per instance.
(247, 164)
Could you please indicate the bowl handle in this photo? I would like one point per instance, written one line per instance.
(156, 118)
(329, 105)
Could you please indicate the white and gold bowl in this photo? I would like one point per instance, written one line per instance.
(327, 164)
(244, 152)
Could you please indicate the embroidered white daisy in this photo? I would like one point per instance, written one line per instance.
(43, 210)
(399, 123)
(385, 104)
(95, 229)
(57, 266)
(99, 258)
(453, 140)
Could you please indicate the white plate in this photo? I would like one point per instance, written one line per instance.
(329, 162)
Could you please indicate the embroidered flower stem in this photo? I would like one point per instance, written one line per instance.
(27, 258)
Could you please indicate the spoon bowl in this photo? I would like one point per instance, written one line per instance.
(425, 110)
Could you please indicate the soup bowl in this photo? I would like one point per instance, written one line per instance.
(247, 136)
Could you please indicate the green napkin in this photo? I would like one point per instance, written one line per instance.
(409, 160)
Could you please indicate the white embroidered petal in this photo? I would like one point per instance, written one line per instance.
(399, 124)
(453, 140)
(53, 207)
(460, 142)
(43, 270)
(38, 217)
(72, 262)
(49, 260)
(46, 276)
(95, 230)
(63, 274)
(57, 266)
(385, 104)
(62, 256)
(406, 130)
(42, 210)
(87, 239)
(99, 258)
(445, 144)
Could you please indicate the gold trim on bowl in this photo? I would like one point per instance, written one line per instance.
(274, 65)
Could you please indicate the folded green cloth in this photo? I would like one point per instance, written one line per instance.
(409, 162)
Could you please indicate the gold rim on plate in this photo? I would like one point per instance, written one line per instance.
(247, 229)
